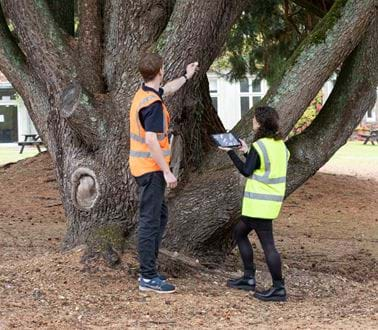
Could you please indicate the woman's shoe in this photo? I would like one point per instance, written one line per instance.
(242, 283)
(276, 293)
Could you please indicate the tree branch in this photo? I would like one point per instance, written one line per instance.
(212, 21)
(13, 65)
(131, 27)
(184, 44)
(41, 40)
(90, 44)
(333, 39)
(353, 95)
(12, 60)
(216, 18)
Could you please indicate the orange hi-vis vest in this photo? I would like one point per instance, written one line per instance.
(141, 161)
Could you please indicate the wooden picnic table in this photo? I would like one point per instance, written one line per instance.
(373, 136)
(30, 140)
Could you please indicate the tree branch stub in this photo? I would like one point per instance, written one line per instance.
(82, 113)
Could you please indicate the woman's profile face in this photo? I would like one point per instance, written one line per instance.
(255, 124)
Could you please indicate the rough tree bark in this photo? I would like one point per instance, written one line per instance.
(78, 92)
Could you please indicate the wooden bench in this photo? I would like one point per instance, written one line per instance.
(36, 141)
(373, 136)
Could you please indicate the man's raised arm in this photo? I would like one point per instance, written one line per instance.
(174, 85)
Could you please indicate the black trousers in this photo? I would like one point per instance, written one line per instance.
(264, 231)
(153, 218)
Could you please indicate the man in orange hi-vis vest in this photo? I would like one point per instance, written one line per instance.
(149, 164)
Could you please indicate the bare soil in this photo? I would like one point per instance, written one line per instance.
(327, 235)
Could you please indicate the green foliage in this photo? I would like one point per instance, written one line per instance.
(264, 37)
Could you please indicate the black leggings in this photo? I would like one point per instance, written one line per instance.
(264, 231)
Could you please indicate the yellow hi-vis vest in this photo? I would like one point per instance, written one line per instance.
(140, 160)
(265, 189)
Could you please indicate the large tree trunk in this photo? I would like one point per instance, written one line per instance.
(78, 94)
(84, 118)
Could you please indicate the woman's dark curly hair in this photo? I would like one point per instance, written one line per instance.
(268, 119)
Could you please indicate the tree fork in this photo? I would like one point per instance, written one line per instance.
(64, 14)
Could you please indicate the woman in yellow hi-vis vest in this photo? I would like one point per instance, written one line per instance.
(265, 168)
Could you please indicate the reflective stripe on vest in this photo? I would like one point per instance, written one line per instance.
(265, 178)
(263, 197)
(140, 139)
(143, 154)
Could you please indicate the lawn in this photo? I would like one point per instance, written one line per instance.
(356, 150)
(354, 158)
(12, 154)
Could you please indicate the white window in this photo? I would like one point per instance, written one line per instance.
(251, 92)
(370, 115)
(213, 86)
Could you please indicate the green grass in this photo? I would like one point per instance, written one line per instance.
(354, 152)
(12, 154)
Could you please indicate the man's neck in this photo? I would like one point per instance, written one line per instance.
(155, 84)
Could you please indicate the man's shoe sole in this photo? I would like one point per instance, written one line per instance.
(143, 288)
(270, 298)
(241, 287)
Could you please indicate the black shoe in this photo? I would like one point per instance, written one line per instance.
(242, 283)
(276, 293)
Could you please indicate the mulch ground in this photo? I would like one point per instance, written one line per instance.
(327, 235)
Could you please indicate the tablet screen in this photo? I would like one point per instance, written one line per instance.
(227, 140)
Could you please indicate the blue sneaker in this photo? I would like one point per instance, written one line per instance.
(156, 285)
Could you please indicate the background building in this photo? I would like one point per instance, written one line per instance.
(14, 118)
(233, 99)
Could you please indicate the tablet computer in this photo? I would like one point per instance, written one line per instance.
(226, 140)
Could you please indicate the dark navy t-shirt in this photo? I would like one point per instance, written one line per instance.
(152, 116)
